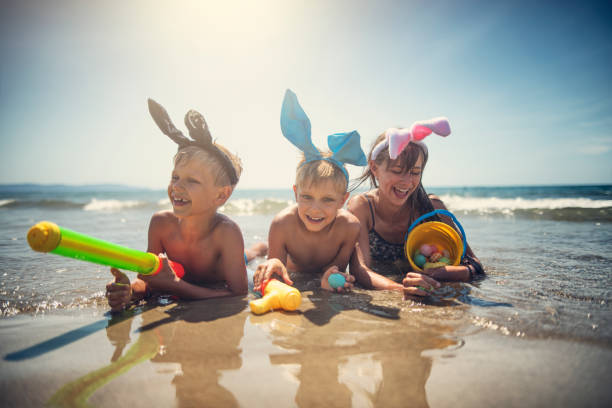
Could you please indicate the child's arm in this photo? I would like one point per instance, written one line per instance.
(231, 263)
(277, 255)
(118, 292)
(349, 228)
(458, 273)
(232, 259)
(360, 259)
(121, 292)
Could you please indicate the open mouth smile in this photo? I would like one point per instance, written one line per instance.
(179, 202)
(401, 192)
(315, 220)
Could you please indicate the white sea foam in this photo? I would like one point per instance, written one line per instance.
(6, 202)
(245, 206)
(495, 204)
(164, 202)
(110, 205)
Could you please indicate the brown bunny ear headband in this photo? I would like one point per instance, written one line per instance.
(198, 130)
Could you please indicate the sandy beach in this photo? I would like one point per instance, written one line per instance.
(363, 349)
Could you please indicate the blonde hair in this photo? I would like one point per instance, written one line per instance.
(220, 175)
(318, 171)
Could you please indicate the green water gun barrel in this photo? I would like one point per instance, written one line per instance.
(49, 237)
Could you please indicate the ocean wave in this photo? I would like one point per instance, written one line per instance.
(164, 203)
(561, 209)
(58, 204)
(245, 206)
(518, 203)
(48, 203)
(111, 205)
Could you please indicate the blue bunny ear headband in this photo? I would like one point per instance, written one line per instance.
(295, 125)
(198, 131)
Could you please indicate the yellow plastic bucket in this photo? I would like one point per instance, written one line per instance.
(435, 232)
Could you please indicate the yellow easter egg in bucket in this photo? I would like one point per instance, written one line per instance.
(442, 235)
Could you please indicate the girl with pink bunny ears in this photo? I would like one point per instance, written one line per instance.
(395, 166)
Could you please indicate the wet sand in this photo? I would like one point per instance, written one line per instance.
(363, 349)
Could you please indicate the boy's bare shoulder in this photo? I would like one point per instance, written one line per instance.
(348, 221)
(164, 217)
(357, 200)
(226, 236)
(226, 226)
(288, 216)
(347, 225)
(347, 218)
(358, 204)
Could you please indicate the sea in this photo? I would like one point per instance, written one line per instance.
(547, 250)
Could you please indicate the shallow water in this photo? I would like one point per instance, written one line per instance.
(545, 278)
(540, 319)
(335, 351)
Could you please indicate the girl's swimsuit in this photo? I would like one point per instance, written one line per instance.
(384, 251)
(380, 249)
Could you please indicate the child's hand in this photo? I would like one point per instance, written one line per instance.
(449, 273)
(348, 285)
(119, 291)
(164, 279)
(417, 284)
(265, 271)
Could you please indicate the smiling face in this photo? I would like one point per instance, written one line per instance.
(396, 182)
(192, 190)
(318, 203)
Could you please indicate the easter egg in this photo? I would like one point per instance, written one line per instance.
(336, 280)
(444, 260)
(426, 250)
(435, 257)
(419, 260)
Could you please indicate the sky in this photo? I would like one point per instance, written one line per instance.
(527, 88)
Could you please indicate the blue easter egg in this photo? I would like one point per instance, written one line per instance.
(420, 260)
(336, 280)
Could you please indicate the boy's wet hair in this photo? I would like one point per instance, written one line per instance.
(219, 171)
(317, 171)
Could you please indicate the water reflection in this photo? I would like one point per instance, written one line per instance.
(360, 349)
(201, 338)
(355, 358)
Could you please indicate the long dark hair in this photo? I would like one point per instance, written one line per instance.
(418, 202)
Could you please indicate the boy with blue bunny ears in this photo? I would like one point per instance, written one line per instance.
(316, 234)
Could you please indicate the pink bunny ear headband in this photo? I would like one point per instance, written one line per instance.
(398, 139)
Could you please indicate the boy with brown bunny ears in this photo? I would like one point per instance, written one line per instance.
(208, 244)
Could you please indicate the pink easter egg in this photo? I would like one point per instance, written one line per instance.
(426, 250)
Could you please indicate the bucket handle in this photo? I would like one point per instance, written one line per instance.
(444, 212)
